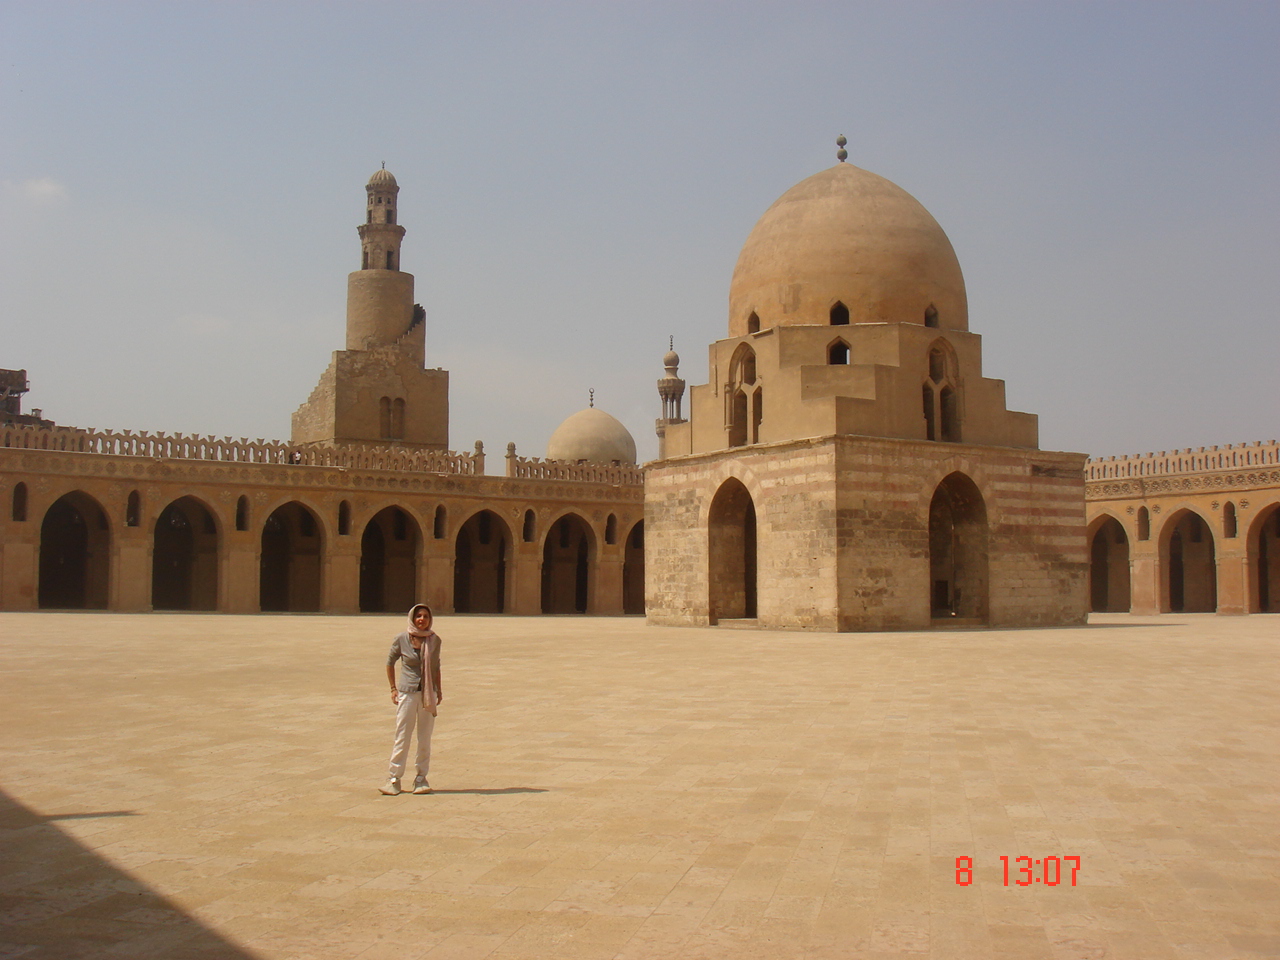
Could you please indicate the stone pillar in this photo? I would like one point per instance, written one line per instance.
(606, 597)
(526, 585)
(435, 577)
(1233, 580)
(1144, 579)
(241, 574)
(18, 566)
(340, 582)
(129, 579)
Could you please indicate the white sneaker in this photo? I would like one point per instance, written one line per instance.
(420, 785)
(390, 788)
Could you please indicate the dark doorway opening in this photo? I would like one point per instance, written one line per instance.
(1190, 565)
(480, 565)
(1109, 568)
(184, 558)
(568, 555)
(388, 562)
(75, 555)
(292, 553)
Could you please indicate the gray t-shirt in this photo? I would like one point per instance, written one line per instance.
(411, 662)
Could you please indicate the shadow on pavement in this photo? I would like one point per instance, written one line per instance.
(61, 901)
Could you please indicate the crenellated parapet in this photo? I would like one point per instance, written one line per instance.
(1229, 456)
(180, 446)
(534, 468)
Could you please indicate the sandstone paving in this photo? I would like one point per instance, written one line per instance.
(190, 786)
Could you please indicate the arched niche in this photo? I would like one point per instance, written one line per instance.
(732, 553)
(1263, 545)
(958, 550)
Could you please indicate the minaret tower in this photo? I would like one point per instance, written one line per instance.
(376, 391)
(671, 390)
(379, 295)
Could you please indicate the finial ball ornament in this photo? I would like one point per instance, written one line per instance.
(842, 154)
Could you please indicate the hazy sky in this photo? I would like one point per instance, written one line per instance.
(180, 185)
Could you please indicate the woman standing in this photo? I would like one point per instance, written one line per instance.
(416, 696)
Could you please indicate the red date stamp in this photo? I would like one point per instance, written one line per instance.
(1026, 870)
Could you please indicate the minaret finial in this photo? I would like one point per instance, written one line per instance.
(671, 342)
(842, 154)
(591, 394)
(384, 164)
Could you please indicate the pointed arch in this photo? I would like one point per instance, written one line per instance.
(389, 550)
(481, 551)
(1109, 588)
(732, 553)
(1262, 544)
(931, 316)
(18, 503)
(184, 557)
(568, 564)
(958, 550)
(75, 554)
(633, 570)
(753, 323)
(1189, 564)
(838, 352)
(292, 558)
(839, 314)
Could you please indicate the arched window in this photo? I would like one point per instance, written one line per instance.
(530, 532)
(753, 323)
(757, 414)
(437, 527)
(838, 353)
(19, 512)
(242, 513)
(133, 510)
(941, 394)
(611, 529)
(1229, 520)
(364, 264)
(839, 315)
(742, 375)
(1144, 524)
(931, 316)
(391, 259)
(344, 519)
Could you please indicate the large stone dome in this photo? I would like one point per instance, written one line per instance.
(593, 435)
(846, 236)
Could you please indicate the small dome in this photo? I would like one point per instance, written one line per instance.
(846, 236)
(593, 435)
(383, 180)
(671, 359)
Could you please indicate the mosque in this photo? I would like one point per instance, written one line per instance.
(846, 466)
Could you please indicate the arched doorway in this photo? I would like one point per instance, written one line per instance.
(1109, 567)
(633, 570)
(731, 550)
(1264, 561)
(184, 558)
(1191, 570)
(958, 550)
(389, 562)
(480, 565)
(568, 556)
(75, 554)
(292, 552)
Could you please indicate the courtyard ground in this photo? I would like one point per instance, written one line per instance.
(180, 786)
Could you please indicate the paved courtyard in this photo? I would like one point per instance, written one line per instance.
(180, 786)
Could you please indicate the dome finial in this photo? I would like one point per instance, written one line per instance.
(591, 397)
(384, 164)
(842, 154)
